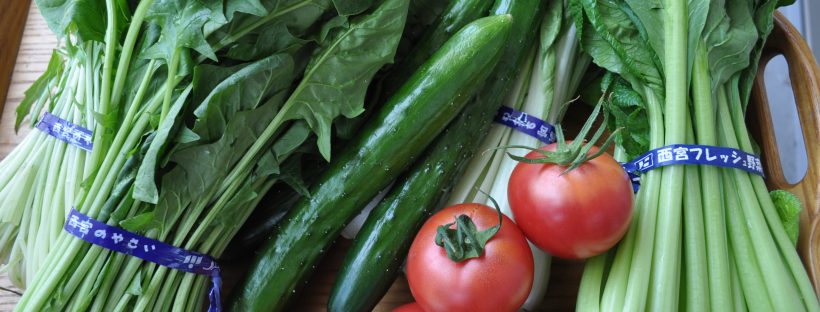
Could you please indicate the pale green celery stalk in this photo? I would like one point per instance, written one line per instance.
(664, 292)
(589, 293)
(593, 279)
(696, 282)
(627, 287)
(786, 249)
(738, 302)
(720, 296)
(780, 285)
(749, 275)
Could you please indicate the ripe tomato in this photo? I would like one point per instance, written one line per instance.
(410, 307)
(498, 280)
(576, 215)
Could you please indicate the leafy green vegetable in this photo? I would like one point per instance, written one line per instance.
(607, 32)
(352, 7)
(336, 78)
(83, 15)
(233, 114)
(36, 95)
(627, 112)
(183, 26)
(145, 188)
(788, 208)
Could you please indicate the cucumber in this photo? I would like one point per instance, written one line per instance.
(457, 14)
(373, 261)
(401, 130)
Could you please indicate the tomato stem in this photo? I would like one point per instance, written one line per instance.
(574, 154)
(466, 241)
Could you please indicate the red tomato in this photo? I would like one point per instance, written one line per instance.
(576, 215)
(410, 307)
(497, 281)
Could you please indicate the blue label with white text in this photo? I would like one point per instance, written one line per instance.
(689, 154)
(120, 240)
(66, 131)
(526, 123)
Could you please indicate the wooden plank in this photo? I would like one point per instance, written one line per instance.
(34, 52)
(12, 21)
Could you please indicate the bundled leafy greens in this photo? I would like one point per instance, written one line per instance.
(703, 238)
(195, 106)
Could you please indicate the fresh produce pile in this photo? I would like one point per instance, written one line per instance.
(703, 238)
(262, 128)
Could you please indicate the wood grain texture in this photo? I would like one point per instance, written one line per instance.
(12, 21)
(38, 41)
(34, 52)
(805, 76)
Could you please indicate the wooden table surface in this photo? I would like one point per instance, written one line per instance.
(32, 58)
(34, 52)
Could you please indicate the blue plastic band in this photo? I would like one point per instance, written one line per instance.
(65, 131)
(689, 154)
(119, 240)
(526, 123)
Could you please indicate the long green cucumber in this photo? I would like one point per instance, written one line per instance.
(372, 263)
(387, 145)
(457, 14)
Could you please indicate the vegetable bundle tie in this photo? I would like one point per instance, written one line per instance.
(692, 154)
(66, 131)
(526, 123)
(135, 245)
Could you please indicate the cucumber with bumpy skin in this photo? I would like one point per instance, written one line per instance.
(387, 145)
(372, 262)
